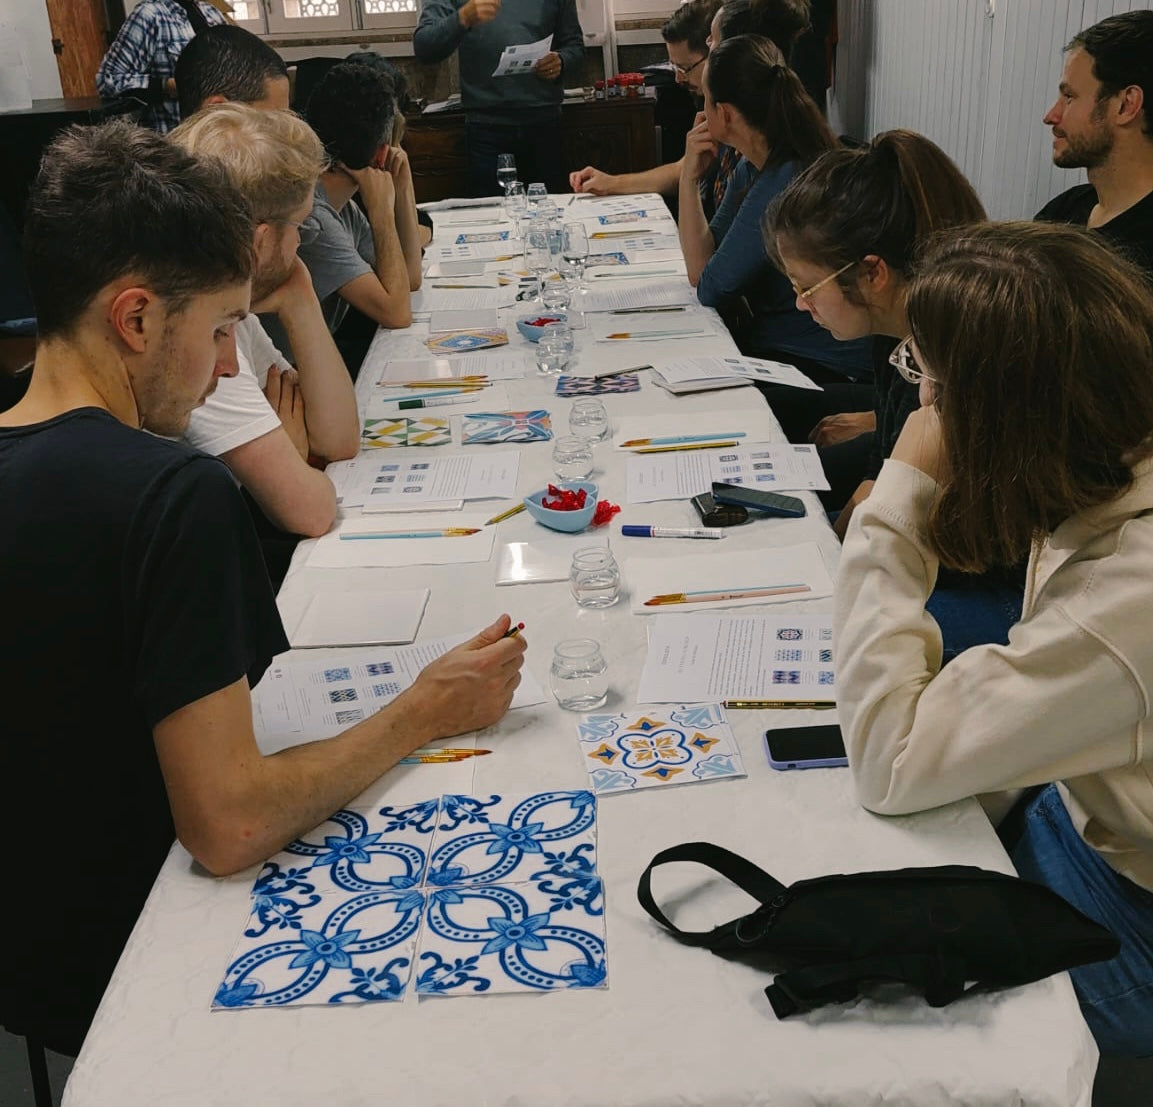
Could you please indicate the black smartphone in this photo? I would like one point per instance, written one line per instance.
(770, 503)
(806, 747)
(718, 515)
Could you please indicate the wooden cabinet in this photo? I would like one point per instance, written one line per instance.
(618, 136)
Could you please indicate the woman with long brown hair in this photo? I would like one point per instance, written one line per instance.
(757, 105)
(1032, 346)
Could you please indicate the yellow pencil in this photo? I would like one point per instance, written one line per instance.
(694, 446)
(515, 510)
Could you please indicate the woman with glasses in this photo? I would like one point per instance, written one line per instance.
(845, 233)
(756, 104)
(1034, 344)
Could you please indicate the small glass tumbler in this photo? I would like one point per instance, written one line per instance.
(563, 333)
(595, 578)
(572, 457)
(551, 356)
(579, 676)
(588, 419)
(556, 294)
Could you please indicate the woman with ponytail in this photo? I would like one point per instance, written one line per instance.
(756, 104)
(845, 232)
(142, 59)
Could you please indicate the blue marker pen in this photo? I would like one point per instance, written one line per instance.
(631, 531)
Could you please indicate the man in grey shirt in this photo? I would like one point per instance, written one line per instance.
(518, 115)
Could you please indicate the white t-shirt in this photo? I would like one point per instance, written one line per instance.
(237, 412)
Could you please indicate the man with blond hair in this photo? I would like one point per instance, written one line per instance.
(267, 421)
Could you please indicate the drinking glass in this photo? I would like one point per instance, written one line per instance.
(562, 333)
(587, 418)
(551, 356)
(579, 676)
(572, 457)
(505, 171)
(556, 294)
(537, 259)
(536, 193)
(595, 578)
(575, 249)
(516, 204)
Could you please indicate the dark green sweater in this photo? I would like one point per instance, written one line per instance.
(488, 99)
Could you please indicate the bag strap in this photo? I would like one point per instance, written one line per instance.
(744, 874)
(939, 979)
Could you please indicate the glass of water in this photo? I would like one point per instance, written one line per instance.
(579, 676)
(505, 171)
(516, 204)
(551, 356)
(561, 332)
(587, 418)
(556, 294)
(595, 577)
(572, 457)
(537, 259)
(536, 193)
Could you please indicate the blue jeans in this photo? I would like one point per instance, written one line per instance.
(1116, 996)
(973, 610)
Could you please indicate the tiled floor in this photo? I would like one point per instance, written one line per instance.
(1119, 1083)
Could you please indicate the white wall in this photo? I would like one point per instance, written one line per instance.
(28, 22)
(976, 76)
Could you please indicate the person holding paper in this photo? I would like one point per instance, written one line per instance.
(129, 563)
(517, 114)
(1031, 344)
(756, 104)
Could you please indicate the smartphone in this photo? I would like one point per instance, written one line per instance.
(718, 515)
(770, 503)
(806, 747)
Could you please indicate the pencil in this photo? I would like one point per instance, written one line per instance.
(692, 446)
(514, 632)
(428, 751)
(680, 439)
(719, 597)
(817, 705)
(514, 510)
(447, 532)
(646, 310)
(656, 334)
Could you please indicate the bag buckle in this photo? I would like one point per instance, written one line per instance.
(761, 919)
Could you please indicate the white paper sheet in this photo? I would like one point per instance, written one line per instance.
(520, 59)
(702, 658)
(772, 567)
(667, 327)
(645, 295)
(334, 552)
(679, 476)
(432, 299)
(383, 476)
(473, 251)
(548, 558)
(306, 697)
(361, 618)
(693, 374)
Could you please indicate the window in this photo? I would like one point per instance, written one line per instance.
(300, 16)
(279, 17)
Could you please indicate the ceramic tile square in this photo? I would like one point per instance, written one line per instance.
(332, 950)
(352, 852)
(527, 937)
(651, 747)
(490, 839)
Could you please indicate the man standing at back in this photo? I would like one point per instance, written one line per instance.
(518, 114)
(1103, 122)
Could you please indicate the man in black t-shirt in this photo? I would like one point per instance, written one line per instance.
(1103, 122)
(137, 610)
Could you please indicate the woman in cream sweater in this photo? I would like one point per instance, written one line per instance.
(1033, 348)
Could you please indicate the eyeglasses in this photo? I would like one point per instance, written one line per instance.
(307, 230)
(807, 293)
(685, 70)
(903, 361)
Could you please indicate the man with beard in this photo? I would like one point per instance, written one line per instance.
(1103, 122)
(255, 422)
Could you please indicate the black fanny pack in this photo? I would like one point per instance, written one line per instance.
(944, 931)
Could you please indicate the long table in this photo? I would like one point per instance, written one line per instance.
(676, 1024)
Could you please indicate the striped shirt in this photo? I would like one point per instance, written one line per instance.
(144, 55)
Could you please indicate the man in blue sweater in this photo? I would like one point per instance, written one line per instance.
(518, 115)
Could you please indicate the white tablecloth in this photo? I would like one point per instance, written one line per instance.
(676, 1025)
